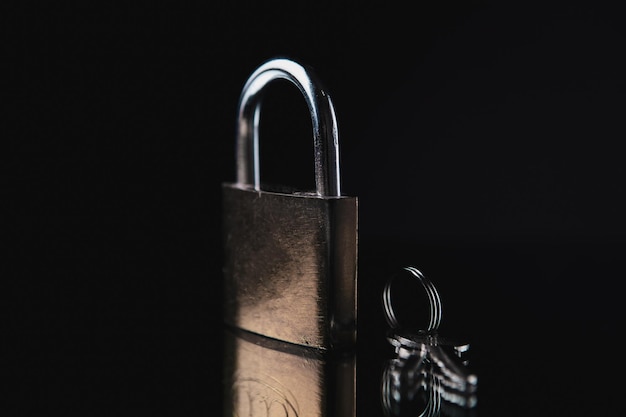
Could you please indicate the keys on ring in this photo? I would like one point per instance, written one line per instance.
(427, 367)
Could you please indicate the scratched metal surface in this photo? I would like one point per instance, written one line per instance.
(290, 266)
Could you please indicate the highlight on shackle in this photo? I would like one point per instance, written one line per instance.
(321, 110)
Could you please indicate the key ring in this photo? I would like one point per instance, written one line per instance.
(435, 309)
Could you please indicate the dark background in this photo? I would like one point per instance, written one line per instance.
(483, 142)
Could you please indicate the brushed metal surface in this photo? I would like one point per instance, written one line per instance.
(290, 266)
(269, 378)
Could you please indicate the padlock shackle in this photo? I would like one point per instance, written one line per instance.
(324, 122)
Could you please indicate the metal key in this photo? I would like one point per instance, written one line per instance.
(425, 362)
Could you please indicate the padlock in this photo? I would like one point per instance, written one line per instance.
(290, 271)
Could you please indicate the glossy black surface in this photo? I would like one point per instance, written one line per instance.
(543, 334)
(483, 139)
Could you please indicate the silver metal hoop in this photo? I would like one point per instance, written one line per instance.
(435, 308)
(325, 132)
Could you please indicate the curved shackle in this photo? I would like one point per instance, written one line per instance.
(325, 133)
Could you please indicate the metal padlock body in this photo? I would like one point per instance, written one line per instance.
(285, 265)
(289, 273)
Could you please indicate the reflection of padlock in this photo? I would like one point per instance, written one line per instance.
(289, 272)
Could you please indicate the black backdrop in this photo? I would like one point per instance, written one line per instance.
(483, 142)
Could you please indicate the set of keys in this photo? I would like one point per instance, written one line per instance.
(427, 369)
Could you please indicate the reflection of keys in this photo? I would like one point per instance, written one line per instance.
(426, 365)
(432, 362)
